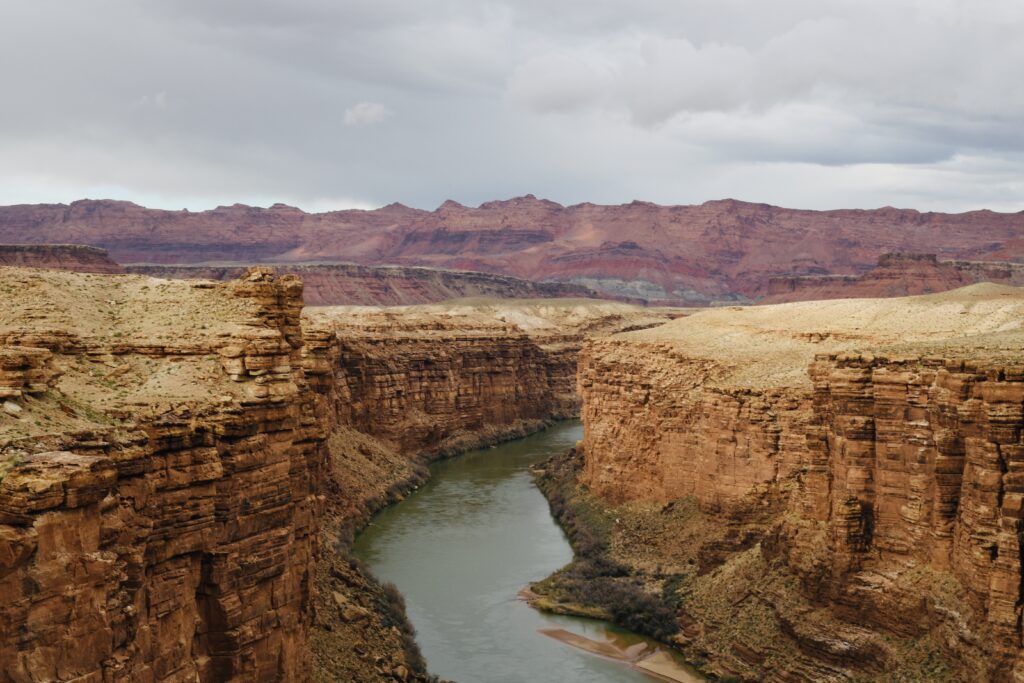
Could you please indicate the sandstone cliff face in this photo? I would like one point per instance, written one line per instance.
(166, 540)
(894, 275)
(665, 434)
(430, 377)
(882, 485)
(914, 463)
(681, 255)
(73, 257)
(353, 285)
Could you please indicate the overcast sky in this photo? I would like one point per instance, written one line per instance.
(331, 104)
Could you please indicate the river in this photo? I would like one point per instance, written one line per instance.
(462, 547)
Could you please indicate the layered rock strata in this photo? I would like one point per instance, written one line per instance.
(865, 450)
(160, 519)
(428, 376)
(74, 257)
(894, 275)
(355, 285)
(181, 462)
(914, 462)
(680, 255)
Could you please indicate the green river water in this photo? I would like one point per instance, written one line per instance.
(462, 547)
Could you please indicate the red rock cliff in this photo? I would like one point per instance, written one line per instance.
(159, 522)
(349, 284)
(915, 464)
(688, 255)
(882, 484)
(429, 377)
(895, 275)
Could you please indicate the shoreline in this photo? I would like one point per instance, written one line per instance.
(652, 660)
(552, 478)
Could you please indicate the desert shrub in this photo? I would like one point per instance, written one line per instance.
(595, 579)
(393, 614)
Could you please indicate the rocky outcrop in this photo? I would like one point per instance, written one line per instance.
(849, 471)
(148, 541)
(894, 275)
(25, 370)
(73, 257)
(354, 285)
(719, 251)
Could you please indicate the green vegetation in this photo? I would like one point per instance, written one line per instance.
(389, 604)
(8, 465)
(594, 584)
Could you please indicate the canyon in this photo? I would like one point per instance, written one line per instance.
(182, 464)
(825, 490)
(719, 251)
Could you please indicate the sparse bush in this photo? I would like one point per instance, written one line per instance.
(394, 610)
(595, 579)
(390, 605)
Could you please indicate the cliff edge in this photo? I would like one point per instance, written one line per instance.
(160, 462)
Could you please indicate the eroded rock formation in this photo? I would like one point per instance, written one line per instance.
(914, 463)
(853, 471)
(432, 374)
(683, 255)
(160, 519)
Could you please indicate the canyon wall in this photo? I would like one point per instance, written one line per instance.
(432, 377)
(350, 284)
(73, 257)
(719, 251)
(412, 383)
(655, 430)
(182, 461)
(866, 450)
(894, 275)
(159, 516)
(915, 462)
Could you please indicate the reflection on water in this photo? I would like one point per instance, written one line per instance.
(461, 548)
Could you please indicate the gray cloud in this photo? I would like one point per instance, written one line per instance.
(815, 103)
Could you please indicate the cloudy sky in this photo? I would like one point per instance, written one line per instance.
(357, 103)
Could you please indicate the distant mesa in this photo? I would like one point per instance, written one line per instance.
(349, 284)
(896, 274)
(719, 252)
(72, 257)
